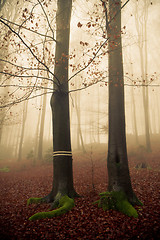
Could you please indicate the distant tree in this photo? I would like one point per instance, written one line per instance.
(24, 117)
(42, 123)
(141, 18)
(11, 15)
(2, 2)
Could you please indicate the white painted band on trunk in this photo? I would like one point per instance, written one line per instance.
(62, 153)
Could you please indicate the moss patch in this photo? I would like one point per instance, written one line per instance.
(117, 201)
(4, 169)
(65, 205)
(34, 200)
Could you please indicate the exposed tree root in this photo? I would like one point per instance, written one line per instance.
(64, 205)
(34, 200)
(116, 201)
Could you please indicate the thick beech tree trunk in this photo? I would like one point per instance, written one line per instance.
(117, 162)
(62, 164)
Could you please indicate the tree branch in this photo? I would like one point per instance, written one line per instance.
(43, 35)
(95, 55)
(30, 50)
(25, 76)
(46, 18)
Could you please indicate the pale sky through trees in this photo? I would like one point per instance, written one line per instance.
(86, 36)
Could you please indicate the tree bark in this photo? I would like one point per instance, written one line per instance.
(62, 164)
(117, 162)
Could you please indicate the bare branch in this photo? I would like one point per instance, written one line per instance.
(30, 50)
(28, 17)
(25, 76)
(22, 99)
(26, 86)
(95, 55)
(46, 17)
(18, 66)
(43, 35)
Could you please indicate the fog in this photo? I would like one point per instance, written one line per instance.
(22, 124)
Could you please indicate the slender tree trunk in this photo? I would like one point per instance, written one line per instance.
(36, 134)
(40, 144)
(98, 126)
(142, 39)
(134, 117)
(147, 122)
(62, 162)
(22, 130)
(117, 162)
(79, 132)
(158, 112)
(135, 130)
(17, 141)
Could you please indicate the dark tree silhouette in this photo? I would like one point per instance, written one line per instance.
(119, 182)
(63, 189)
(62, 162)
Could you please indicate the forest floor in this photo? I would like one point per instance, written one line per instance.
(85, 220)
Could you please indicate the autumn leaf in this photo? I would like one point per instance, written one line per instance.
(79, 25)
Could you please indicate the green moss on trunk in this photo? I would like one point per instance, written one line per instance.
(65, 205)
(117, 201)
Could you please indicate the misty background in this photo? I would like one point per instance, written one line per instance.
(26, 127)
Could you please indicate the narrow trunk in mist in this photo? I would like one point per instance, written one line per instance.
(117, 161)
(12, 16)
(146, 109)
(142, 39)
(36, 134)
(62, 162)
(135, 130)
(1, 127)
(17, 141)
(23, 129)
(158, 112)
(2, 3)
(40, 143)
(79, 131)
(80, 142)
(98, 126)
(134, 116)
(3, 111)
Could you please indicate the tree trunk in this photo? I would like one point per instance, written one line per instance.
(62, 162)
(98, 109)
(134, 117)
(117, 162)
(40, 143)
(147, 120)
(79, 131)
(142, 39)
(23, 129)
